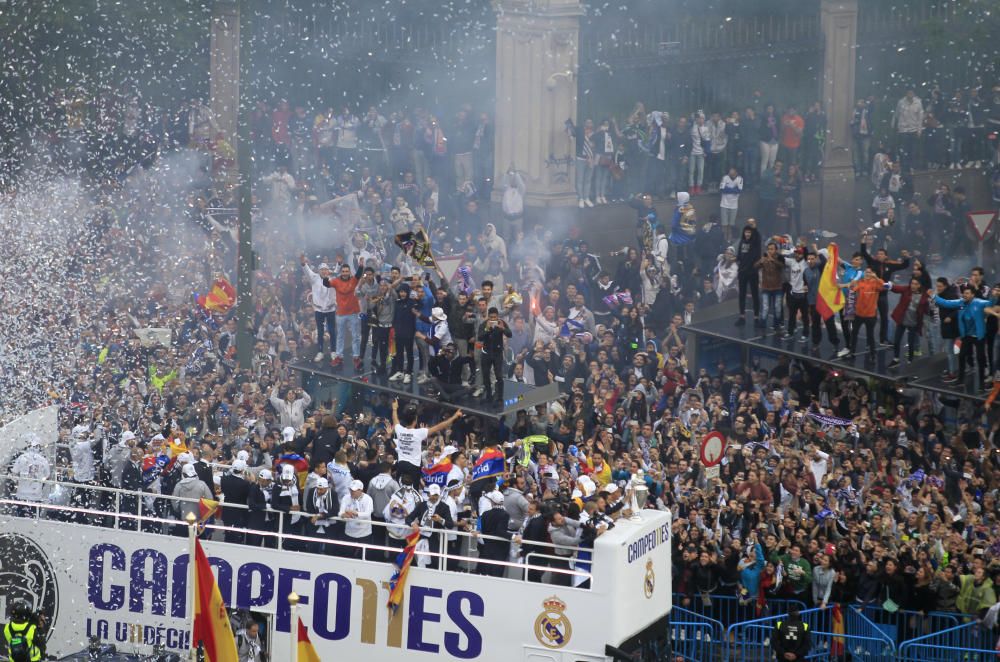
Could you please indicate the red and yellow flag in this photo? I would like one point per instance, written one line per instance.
(220, 298)
(206, 508)
(211, 622)
(837, 645)
(830, 298)
(306, 651)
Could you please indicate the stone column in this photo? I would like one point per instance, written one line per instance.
(839, 23)
(225, 66)
(536, 76)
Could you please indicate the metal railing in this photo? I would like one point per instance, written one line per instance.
(143, 520)
(751, 640)
(727, 609)
(905, 624)
(968, 642)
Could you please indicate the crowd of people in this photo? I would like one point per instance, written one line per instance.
(832, 489)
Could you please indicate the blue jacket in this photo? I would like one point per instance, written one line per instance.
(426, 303)
(971, 315)
(750, 575)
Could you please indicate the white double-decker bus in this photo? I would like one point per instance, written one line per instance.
(129, 588)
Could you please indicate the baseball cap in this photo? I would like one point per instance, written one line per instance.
(322, 483)
(323, 265)
(288, 434)
(266, 474)
(434, 490)
(357, 485)
(495, 497)
(610, 488)
(128, 435)
(438, 314)
(189, 471)
(287, 471)
(239, 466)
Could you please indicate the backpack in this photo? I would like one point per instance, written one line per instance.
(19, 650)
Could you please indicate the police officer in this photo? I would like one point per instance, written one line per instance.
(22, 635)
(791, 639)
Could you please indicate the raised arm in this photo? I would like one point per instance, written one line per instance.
(443, 425)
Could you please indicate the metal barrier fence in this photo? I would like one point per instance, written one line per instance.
(693, 641)
(968, 642)
(860, 639)
(727, 610)
(905, 625)
(720, 630)
(711, 640)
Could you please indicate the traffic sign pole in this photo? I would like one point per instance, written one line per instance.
(981, 222)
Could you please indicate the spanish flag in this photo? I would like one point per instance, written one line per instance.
(837, 645)
(830, 298)
(220, 298)
(206, 508)
(306, 651)
(211, 622)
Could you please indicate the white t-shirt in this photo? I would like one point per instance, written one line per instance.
(409, 444)
(731, 200)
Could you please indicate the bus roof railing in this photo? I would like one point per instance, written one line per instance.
(280, 535)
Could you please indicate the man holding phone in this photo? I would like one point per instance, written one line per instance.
(492, 335)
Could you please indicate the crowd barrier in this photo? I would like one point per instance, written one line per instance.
(905, 625)
(727, 609)
(854, 638)
(719, 629)
(967, 642)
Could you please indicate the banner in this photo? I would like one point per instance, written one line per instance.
(418, 246)
(489, 464)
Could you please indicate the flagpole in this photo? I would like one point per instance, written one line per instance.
(293, 601)
(192, 522)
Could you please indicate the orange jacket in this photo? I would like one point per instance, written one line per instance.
(867, 290)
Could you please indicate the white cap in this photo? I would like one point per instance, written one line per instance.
(683, 198)
(448, 450)
(287, 471)
(610, 488)
(159, 437)
(189, 471)
(288, 433)
(185, 458)
(357, 485)
(587, 485)
(434, 490)
(495, 497)
(34, 441)
(322, 483)
(438, 314)
(265, 474)
(128, 435)
(322, 266)
(239, 466)
(243, 455)
(80, 430)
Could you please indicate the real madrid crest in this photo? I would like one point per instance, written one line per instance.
(552, 628)
(649, 581)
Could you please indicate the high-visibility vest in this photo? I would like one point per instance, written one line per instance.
(28, 631)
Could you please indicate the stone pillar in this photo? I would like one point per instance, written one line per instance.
(536, 76)
(225, 67)
(839, 23)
